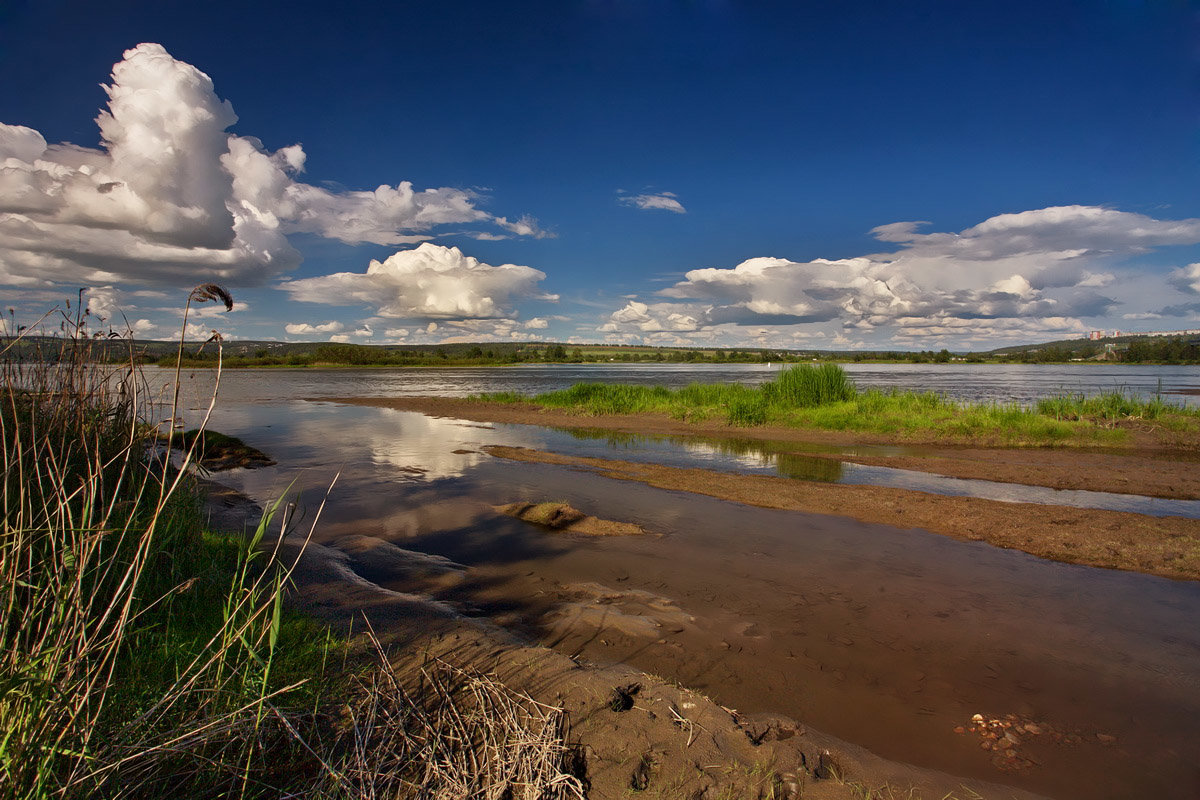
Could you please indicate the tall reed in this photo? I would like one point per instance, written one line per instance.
(95, 528)
(804, 386)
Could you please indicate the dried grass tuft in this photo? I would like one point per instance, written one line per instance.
(455, 734)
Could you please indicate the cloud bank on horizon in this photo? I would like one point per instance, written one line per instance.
(171, 197)
(1026, 274)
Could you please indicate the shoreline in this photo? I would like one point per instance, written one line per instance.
(1170, 472)
(202, 364)
(1165, 546)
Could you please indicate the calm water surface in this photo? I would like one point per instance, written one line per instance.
(999, 383)
(886, 637)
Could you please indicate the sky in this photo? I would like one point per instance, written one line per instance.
(693, 173)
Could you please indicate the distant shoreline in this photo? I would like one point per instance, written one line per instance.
(618, 363)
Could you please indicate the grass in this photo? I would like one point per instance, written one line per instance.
(137, 652)
(142, 656)
(823, 398)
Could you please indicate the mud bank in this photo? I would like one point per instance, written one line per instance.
(634, 732)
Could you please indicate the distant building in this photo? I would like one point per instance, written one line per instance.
(1094, 335)
(1166, 333)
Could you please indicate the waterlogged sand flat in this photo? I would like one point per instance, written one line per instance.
(893, 639)
(1167, 546)
(635, 731)
(1160, 546)
(887, 638)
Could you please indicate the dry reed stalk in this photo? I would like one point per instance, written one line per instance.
(454, 734)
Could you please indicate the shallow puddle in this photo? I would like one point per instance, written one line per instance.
(885, 637)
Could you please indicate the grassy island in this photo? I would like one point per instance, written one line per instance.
(824, 398)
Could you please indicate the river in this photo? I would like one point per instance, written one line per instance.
(1001, 383)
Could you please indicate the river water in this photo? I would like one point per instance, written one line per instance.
(887, 637)
(1002, 383)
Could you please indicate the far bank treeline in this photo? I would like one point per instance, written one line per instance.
(241, 353)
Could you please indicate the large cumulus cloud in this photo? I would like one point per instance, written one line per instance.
(429, 282)
(170, 192)
(1034, 271)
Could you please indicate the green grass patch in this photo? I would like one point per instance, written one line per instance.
(824, 398)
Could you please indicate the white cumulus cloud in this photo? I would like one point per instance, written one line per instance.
(170, 193)
(525, 226)
(1187, 279)
(428, 282)
(1039, 270)
(308, 329)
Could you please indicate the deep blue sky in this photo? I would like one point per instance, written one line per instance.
(784, 130)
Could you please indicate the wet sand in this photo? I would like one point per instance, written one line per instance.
(891, 639)
(665, 738)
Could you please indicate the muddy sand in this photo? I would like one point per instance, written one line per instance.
(638, 734)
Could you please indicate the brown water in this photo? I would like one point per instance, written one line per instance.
(886, 637)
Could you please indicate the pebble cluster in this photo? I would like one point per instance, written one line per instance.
(1003, 737)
